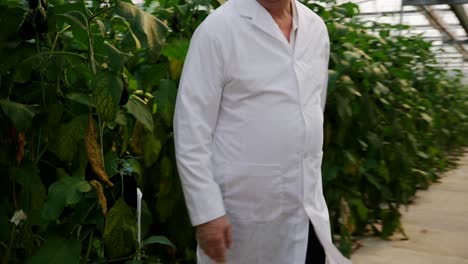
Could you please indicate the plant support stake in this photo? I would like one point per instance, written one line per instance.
(139, 197)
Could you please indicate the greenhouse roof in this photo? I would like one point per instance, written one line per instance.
(445, 23)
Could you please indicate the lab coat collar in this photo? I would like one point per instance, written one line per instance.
(260, 17)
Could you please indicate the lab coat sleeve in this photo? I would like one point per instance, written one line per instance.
(325, 82)
(195, 118)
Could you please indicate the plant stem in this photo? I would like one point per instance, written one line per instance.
(56, 38)
(78, 232)
(55, 52)
(101, 131)
(91, 49)
(122, 180)
(113, 260)
(90, 44)
(15, 202)
(89, 246)
(10, 245)
(38, 47)
(38, 145)
(99, 13)
(120, 259)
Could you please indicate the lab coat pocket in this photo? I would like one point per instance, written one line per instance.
(252, 191)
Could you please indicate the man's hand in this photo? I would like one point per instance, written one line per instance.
(215, 238)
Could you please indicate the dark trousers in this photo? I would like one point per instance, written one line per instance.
(315, 253)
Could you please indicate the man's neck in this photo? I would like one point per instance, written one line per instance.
(277, 8)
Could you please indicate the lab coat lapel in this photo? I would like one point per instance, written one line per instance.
(303, 34)
(260, 18)
(306, 37)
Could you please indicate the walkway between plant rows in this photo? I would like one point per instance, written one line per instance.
(436, 224)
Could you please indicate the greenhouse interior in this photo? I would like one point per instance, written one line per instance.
(444, 23)
(228, 131)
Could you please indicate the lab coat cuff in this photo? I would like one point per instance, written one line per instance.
(210, 206)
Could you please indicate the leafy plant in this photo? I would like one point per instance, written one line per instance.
(392, 121)
(87, 94)
(74, 117)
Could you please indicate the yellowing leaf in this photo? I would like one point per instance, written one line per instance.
(100, 194)
(120, 231)
(106, 95)
(426, 117)
(93, 151)
(150, 31)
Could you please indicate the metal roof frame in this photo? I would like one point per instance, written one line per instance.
(434, 11)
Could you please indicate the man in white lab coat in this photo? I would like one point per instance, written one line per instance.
(248, 129)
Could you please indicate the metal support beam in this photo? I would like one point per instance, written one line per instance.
(434, 2)
(448, 56)
(384, 13)
(430, 26)
(435, 20)
(450, 61)
(453, 63)
(450, 42)
(457, 41)
(460, 13)
(446, 53)
(441, 38)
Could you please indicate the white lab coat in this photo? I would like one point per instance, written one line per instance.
(248, 130)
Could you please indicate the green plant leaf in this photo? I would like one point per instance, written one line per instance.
(151, 149)
(78, 22)
(136, 261)
(20, 114)
(165, 100)
(57, 250)
(360, 208)
(426, 118)
(64, 192)
(140, 111)
(130, 41)
(374, 181)
(176, 49)
(166, 176)
(33, 192)
(111, 161)
(157, 240)
(69, 138)
(150, 31)
(146, 218)
(108, 89)
(120, 231)
(5, 224)
(390, 222)
(116, 57)
(150, 76)
(24, 68)
(80, 98)
(76, 19)
(202, 2)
